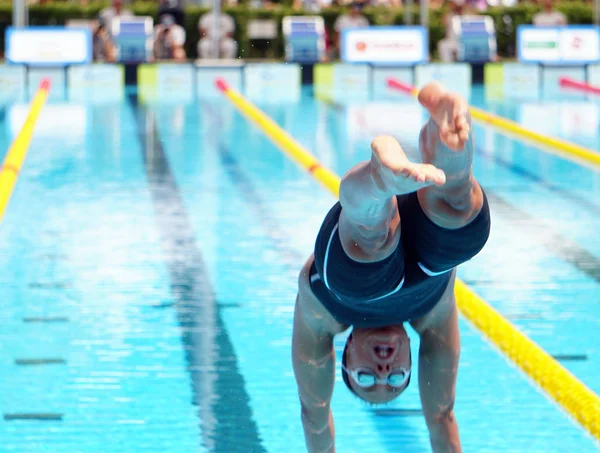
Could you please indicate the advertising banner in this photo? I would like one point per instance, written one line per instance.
(400, 45)
(575, 44)
(48, 46)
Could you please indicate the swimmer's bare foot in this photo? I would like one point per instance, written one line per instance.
(450, 112)
(394, 174)
(446, 140)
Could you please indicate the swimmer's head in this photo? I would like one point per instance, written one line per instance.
(376, 363)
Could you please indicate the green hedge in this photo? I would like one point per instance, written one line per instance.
(59, 12)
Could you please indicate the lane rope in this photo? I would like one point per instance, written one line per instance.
(15, 157)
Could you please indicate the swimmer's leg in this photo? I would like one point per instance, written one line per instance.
(446, 142)
(369, 224)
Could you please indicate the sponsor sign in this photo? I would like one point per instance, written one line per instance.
(48, 46)
(385, 45)
(561, 45)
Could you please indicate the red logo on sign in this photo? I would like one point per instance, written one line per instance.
(576, 44)
(361, 46)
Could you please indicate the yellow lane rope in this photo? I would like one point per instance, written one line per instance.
(9, 171)
(562, 386)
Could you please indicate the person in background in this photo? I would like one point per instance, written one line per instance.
(173, 8)
(116, 10)
(102, 46)
(478, 6)
(448, 47)
(169, 40)
(353, 19)
(311, 6)
(549, 17)
(387, 3)
(227, 45)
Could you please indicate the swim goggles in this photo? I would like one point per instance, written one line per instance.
(365, 378)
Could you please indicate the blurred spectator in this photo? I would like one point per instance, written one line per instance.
(173, 8)
(313, 6)
(478, 5)
(353, 19)
(116, 10)
(388, 3)
(226, 28)
(448, 47)
(169, 40)
(549, 17)
(102, 47)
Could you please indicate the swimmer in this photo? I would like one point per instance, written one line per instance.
(386, 254)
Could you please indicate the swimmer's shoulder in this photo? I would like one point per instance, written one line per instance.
(320, 318)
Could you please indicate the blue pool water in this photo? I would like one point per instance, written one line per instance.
(150, 257)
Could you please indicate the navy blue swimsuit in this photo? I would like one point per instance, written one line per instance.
(404, 286)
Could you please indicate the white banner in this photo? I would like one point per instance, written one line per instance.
(577, 45)
(560, 45)
(51, 46)
(399, 45)
(539, 44)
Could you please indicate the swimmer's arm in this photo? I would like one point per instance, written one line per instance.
(313, 359)
(439, 355)
(314, 367)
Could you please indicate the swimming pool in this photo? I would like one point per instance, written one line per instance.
(151, 256)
